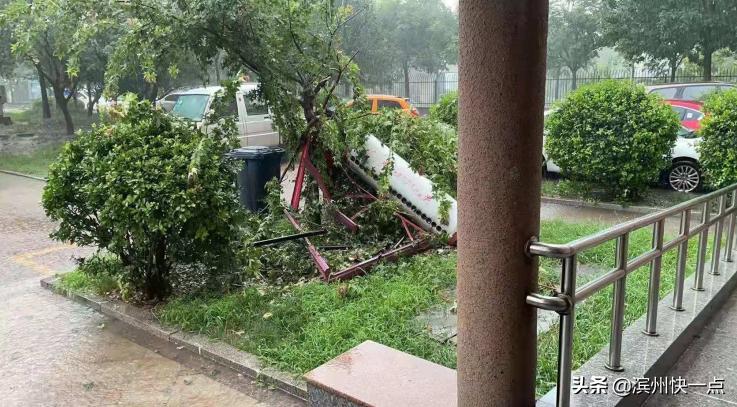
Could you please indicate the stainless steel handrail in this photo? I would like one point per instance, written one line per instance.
(564, 302)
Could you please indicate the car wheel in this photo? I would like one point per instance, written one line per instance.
(684, 176)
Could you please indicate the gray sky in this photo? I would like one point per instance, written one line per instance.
(452, 4)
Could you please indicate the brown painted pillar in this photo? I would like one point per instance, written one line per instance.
(502, 84)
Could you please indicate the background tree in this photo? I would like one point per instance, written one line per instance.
(365, 37)
(574, 37)
(93, 62)
(7, 60)
(51, 35)
(421, 34)
(714, 28)
(650, 32)
(671, 30)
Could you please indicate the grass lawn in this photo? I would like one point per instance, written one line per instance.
(31, 119)
(298, 327)
(657, 197)
(34, 163)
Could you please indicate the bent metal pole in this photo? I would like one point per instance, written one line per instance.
(502, 82)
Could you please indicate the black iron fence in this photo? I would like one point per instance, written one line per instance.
(425, 90)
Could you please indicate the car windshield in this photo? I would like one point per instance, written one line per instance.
(686, 133)
(191, 107)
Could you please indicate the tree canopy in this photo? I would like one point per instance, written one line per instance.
(574, 36)
(292, 46)
(52, 36)
(671, 30)
(393, 36)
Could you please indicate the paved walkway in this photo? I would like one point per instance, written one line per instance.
(54, 352)
(713, 354)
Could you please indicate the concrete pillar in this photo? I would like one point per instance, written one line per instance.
(502, 86)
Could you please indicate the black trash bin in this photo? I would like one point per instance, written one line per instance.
(260, 165)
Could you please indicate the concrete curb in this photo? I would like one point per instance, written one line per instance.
(600, 205)
(213, 350)
(20, 174)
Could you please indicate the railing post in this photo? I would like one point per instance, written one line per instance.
(565, 333)
(654, 290)
(682, 261)
(717, 254)
(701, 255)
(730, 236)
(615, 341)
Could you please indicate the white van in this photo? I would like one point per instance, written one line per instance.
(254, 118)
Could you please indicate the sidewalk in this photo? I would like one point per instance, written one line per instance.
(711, 355)
(54, 352)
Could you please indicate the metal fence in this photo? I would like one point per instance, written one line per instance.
(717, 211)
(426, 90)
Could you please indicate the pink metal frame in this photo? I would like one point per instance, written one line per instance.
(417, 236)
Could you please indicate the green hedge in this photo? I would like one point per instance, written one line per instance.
(718, 149)
(612, 136)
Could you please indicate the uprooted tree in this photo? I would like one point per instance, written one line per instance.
(292, 46)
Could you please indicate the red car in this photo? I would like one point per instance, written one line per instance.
(690, 112)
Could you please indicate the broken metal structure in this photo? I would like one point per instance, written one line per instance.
(421, 213)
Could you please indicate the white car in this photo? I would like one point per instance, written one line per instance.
(167, 102)
(255, 127)
(684, 175)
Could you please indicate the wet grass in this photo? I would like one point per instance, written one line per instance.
(33, 163)
(79, 281)
(31, 119)
(298, 327)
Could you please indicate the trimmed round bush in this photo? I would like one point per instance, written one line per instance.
(612, 136)
(154, 192)
(446, 110)
(718, 148)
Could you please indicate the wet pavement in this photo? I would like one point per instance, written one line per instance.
(550, 211)
(710, 359)
(54, 352)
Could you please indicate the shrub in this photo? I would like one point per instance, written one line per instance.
(718, 148)
(446, 110)
(613, 136)
(151, 190)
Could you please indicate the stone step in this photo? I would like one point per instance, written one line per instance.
(374, 375)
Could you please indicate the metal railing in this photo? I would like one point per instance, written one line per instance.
(717, 210)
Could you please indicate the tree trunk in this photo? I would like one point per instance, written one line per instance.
(44, 95)
(158, 286)
(673, 70)
(574, 78)
(405, 69)
(90, 101)
(154, 92)
(707, 64)
(63, 104)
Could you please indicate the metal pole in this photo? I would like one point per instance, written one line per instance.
(682, 261)
(654, 291)
(730, 238)
(499, 211)
(716, 256)
(565, 334)
(701, 255)
(615, 339)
